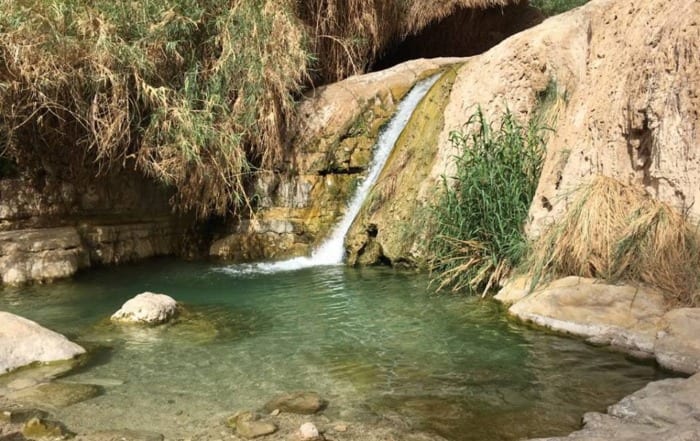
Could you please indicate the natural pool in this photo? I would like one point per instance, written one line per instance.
(373, 341)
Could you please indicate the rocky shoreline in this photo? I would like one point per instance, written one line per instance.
(634, 320)
(630, 319)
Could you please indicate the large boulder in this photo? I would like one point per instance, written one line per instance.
(147, 308)
(677, 343)
(23, 342)
(663, 410)
(621, 315)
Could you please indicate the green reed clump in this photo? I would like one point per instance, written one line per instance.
(479, 219)
(554, 7)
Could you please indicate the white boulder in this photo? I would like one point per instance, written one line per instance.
(24, 342)
(147, 308)
(308, 431)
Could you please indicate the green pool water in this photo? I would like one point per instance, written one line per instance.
(374, 342)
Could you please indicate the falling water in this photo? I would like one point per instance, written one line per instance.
(332, 250)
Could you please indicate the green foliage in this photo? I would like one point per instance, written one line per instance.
(554, 7)
(479, 218)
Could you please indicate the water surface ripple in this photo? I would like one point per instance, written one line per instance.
(372, 341)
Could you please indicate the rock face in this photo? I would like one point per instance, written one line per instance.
(23, 342)
(663, 410)
(147, 308)
(627, 78)
(677, 343)
(53, 229)
(341, 122)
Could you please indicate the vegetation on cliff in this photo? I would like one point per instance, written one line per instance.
(554, 7)
(197, 94)
(479, 218)
(618, 232)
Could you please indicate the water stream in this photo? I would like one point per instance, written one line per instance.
(332, 250)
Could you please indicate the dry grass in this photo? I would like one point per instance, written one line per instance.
(198, 94)
(619, 233)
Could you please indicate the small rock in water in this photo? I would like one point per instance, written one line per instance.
(56, 394)
(340, 427)
(308, 431)
(275, 412)
(40, 428)
(304, 403)
(16, 416)
(248, 425)
(147, 308)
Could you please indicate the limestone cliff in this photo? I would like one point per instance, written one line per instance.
(629, 75)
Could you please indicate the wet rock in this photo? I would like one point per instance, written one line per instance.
(147, 308)
(677, 345)
(56, 394)
(248, 425)
(21, 415)
(304, 403)
(663, 410)
(23, 342)
(340, 427)
(308, 431)
(620, 315)
(38, 428)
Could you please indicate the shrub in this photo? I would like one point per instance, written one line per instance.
(554, 7)
(618, 232)
(480, 216)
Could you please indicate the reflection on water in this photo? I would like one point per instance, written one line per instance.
(372, 341)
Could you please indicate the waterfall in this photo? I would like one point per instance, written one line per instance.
(332, 250)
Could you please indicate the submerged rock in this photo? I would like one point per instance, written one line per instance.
(147, 308)
(41, 428)
(21, 415)
(304, 403)
(56, 394)
(248, 425)
(23, 342)
(308, 431)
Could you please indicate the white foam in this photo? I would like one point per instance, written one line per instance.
(332, 250)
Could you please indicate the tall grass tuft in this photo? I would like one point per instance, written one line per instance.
(479, 219)
(618, 232)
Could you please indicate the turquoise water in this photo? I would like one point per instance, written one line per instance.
(374, 342)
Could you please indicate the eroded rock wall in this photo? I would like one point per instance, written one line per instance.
(628, 75)
(50, 229)
(297, 209)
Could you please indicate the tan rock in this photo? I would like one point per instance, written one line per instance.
(663, 410)
(678, 340)
(297, 402)
(147, 308)
(23, 342)
(619, 315)
(514, 290)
